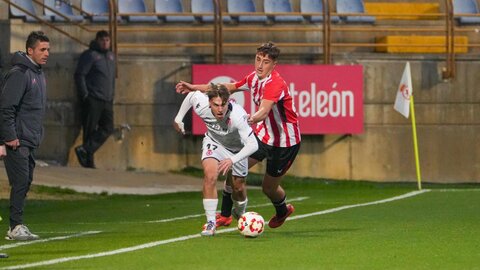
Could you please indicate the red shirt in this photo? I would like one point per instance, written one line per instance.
(280, 128)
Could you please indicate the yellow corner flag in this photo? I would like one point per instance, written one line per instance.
(403, 104)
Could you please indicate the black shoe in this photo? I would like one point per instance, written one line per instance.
(90, 161)
(82, 156)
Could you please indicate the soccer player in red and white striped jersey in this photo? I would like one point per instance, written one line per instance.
(276, 128)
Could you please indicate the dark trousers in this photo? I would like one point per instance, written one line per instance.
(19, 165)
(97, 123)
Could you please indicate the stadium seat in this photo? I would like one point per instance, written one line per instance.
(99, 10)
(466, 7)
(206, 6)
(240, 6)
(171, 6)
(27, 5)
(353, 6)
(64, 7)
(284, 6)
(315, 6)
(135, 6)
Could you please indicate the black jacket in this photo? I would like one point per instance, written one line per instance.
(95, 74)
(22, 102)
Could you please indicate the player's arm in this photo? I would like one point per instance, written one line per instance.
(250, 145)
(184, 108)
(262, 112)
(184, 87)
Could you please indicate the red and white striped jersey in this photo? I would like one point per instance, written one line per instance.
(280, 128)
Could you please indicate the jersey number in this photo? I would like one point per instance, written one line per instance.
(211, 146)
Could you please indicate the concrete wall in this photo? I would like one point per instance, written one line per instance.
(145, 99)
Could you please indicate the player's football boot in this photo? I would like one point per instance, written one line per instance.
(223, 221)
(278, 221)
(209, 229)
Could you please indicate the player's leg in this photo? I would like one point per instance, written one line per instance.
(280, 160)
(224, 218)
(239, 196)
(210, 199)
(212, 152)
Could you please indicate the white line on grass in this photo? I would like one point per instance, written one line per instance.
(186, 217)
(192, 236)
(456, 189)
(17, 244)
(199, 215)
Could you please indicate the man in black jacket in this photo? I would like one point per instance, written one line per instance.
(22, 109)
(95, 81)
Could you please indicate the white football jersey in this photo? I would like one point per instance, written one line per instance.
(233, 131)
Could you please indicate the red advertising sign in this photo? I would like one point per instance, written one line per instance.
(328, 98)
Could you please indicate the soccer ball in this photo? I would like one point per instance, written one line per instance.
(251, 224)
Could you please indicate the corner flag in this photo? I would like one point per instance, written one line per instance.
(403, 104)
(404, 93)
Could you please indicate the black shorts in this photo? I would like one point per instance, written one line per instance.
(279, 159)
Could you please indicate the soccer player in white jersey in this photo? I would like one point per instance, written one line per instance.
(276, 129)
(226, 145)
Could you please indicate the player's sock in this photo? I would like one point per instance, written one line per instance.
(281, 207)
(210, 206)
(227, 201)
(240, 207)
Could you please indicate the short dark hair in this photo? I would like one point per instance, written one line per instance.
(218, 90)
(34, 37)
(269, 49)
(102, 34)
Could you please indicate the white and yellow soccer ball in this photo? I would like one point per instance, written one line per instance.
(251, 224)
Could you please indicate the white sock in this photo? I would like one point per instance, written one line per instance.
(210, 206)
(240, 206)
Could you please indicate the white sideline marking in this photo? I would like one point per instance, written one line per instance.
(323, 212)
(17, 244)
(199, 215)
(192, 236)
(456, 189)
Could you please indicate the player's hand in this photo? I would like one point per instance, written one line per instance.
(224, 166)
(3, 151)
(183, 87)
(179, 127)
(13, 144)
(250, 120)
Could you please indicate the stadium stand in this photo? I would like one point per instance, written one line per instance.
(135, 6)
(28, 6)
(281, 6)
(353, 6)
(171, 6)
(314, 6)
(403, 10)
(466, 7)
(97, 9)
(63, 7)
(244, 6)
(206, 6)
(420, 44)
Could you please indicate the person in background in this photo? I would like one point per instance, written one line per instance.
(22, 108)
(95, 82)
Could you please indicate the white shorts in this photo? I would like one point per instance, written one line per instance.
(211, 149)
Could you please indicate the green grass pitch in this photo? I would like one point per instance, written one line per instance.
(438, 229)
